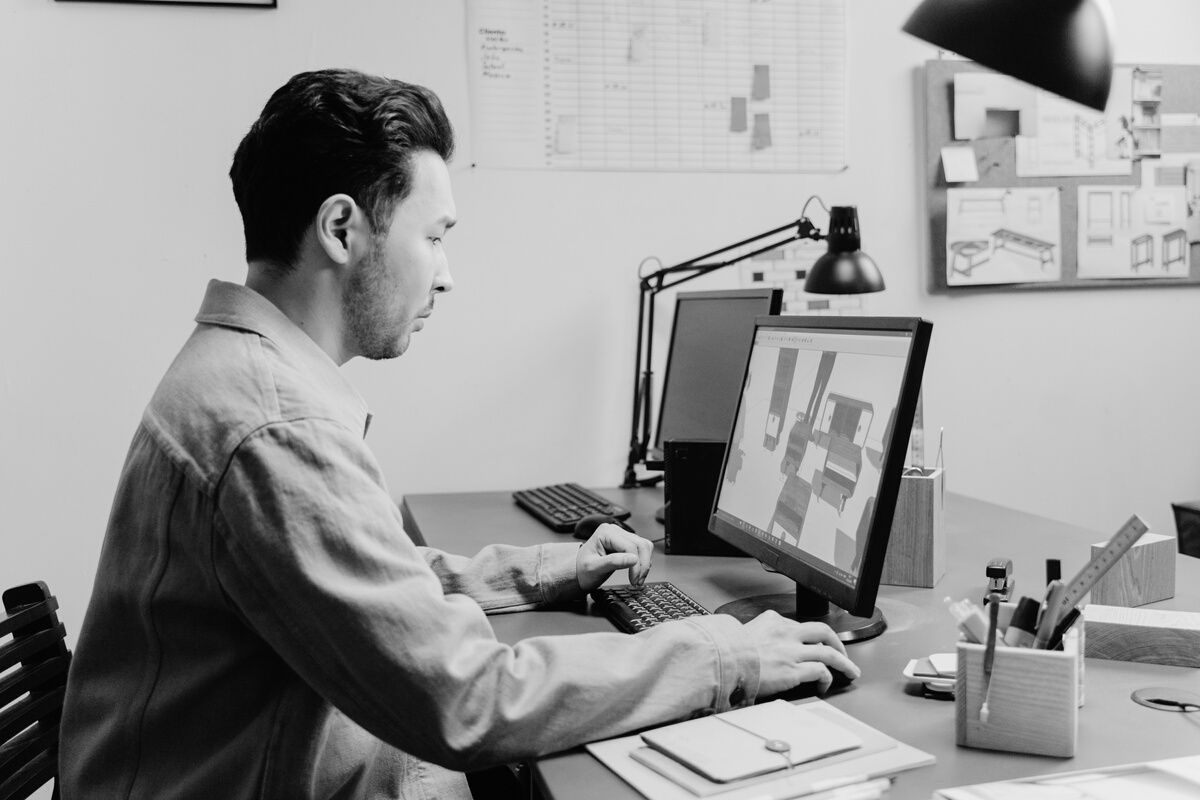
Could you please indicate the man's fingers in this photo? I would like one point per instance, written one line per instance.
(833, 659)
(615, 539)
(815, 671)
(820, 633)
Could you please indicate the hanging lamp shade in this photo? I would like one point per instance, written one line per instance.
(844, 268)
(1062, 46)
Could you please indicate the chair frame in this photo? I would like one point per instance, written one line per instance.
(34, 661)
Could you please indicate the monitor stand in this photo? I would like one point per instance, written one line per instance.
(805, 606)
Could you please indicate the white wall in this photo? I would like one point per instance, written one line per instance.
(118, 122)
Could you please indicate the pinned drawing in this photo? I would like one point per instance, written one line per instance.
(1132, 232)
(988, 105)
(1145, 117)
(1007, 235)
(1073, 140)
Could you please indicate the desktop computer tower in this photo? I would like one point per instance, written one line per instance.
(693, 469)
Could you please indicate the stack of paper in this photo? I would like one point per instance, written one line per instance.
(727, 755)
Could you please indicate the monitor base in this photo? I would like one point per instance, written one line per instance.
(849, 628)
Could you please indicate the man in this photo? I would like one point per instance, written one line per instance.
(261, 626)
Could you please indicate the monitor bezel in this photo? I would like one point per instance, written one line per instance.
(773, 295)
(858, 600)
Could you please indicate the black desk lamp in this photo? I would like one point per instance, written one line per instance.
(843, 269)
(1062, 46)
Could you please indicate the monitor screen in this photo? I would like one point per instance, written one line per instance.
(710, 341)
(815, 457)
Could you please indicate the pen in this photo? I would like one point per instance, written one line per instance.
(1054, 593)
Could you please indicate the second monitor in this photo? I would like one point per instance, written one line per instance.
(710, 341)
(814, 462)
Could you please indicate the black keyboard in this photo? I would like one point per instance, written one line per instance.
(635, 608)
(561, 505)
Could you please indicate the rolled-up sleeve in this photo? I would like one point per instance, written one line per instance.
(310, 550)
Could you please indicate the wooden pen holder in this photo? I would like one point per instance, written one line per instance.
(1033, 701)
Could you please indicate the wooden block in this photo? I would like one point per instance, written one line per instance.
(916, 553)
(1033, 701)
(1145, 635)
(1145, 574)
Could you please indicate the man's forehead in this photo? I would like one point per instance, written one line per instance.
(430, 194)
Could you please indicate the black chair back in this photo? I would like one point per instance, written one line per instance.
(33, 677)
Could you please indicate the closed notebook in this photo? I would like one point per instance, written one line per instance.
(733, 746)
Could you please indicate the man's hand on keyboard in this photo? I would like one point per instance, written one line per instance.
(609, 549)
(791, 653)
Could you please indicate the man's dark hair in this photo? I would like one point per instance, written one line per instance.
(328, 132)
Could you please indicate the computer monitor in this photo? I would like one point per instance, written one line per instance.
(814, 461)
(710, 342)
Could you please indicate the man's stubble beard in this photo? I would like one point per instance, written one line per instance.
(367, 313)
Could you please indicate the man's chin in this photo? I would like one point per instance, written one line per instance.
(384, 351)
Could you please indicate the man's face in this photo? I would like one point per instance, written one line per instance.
(391, 291)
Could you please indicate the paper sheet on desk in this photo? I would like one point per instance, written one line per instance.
(1169, 779)
(880, 755)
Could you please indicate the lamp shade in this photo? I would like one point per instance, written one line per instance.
(844, 268)
(1062, 46)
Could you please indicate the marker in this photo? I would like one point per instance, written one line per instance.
(1023, 628)
(1060, 630)
(1053, 570)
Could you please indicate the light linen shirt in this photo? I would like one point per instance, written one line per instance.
(262, 627)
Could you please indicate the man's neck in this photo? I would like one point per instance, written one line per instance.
(311, 301)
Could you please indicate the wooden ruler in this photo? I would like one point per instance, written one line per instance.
(1094, 570)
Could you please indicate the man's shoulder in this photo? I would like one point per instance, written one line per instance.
(224, 385)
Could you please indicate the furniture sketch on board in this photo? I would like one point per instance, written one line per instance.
(1022, 244)
(1174, 248)
(972, 253)
(1141, 251)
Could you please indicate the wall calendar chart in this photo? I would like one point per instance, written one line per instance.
(658, 85)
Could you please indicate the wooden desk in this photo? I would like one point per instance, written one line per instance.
(1112, 728)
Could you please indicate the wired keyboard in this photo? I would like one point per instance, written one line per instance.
(561, 505)
(636, 608)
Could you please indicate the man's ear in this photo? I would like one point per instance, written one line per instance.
(342, 229)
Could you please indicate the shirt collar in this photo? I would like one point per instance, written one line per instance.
(232, 305)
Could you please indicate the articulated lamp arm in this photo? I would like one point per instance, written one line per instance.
(664, 278)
